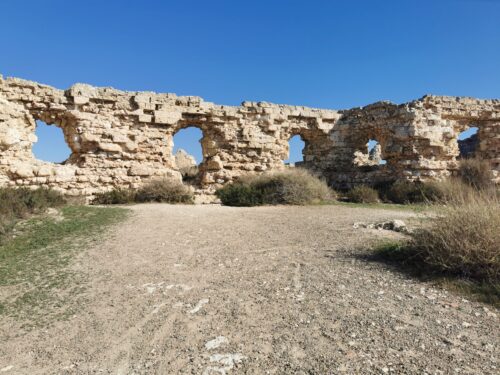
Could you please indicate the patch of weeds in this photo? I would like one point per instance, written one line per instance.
(20, 203)
(35, 263)
(406, 259)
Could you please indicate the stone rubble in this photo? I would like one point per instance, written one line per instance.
(395, 225)
(123, 139)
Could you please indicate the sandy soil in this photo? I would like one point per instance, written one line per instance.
(270, 290)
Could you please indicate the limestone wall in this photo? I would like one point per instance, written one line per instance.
(123, 139)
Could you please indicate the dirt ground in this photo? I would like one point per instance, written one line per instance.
(268, 290)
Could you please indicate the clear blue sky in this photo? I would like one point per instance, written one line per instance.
(331, 54)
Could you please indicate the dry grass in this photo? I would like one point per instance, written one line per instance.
(460, 243)
(405, 192)
(465, 239)
(294, 186)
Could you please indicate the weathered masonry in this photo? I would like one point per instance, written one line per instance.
(123, 139)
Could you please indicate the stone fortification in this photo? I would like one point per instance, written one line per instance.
(123, 139)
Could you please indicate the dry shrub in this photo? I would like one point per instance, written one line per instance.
(19, 203)
(476, 173)
(165, 191)
(465, 239)
(294, 186)
(363, 194)
(404, 192)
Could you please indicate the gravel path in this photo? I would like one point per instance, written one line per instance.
(269, 290)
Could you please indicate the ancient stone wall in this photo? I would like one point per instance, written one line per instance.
(123, 139)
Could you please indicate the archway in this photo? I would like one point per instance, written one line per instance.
(467, 142)
(371, 156)
(375, 152)
(187, 152)
(296, 146)
(51, 145)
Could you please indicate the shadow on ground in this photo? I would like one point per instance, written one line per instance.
(401, 258)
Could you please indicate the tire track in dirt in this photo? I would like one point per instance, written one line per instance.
(282, 285)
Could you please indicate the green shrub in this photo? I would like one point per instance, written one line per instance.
(293, 186)
(166, 191)
(476, 173)
(240, 195)
(363, 194)
(115, 196)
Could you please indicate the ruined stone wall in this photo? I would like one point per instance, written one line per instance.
(123, 139)
(418, 140)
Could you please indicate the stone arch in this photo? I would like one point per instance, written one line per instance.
(317, 145)
(370, 150)
(468, 142)
(50, 145)
(68, 124)
(296, 147)
(461, 142)
(371, 156)
(210, 161)
(188, 152)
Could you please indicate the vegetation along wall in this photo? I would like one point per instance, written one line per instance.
(122, 139)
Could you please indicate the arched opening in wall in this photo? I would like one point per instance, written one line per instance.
(188, 153)
(51, 145)
(371, 156)
(296, 147)
(375, 152)
(467, 142)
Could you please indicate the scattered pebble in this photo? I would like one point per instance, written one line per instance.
(215, 343)
(199, 305)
